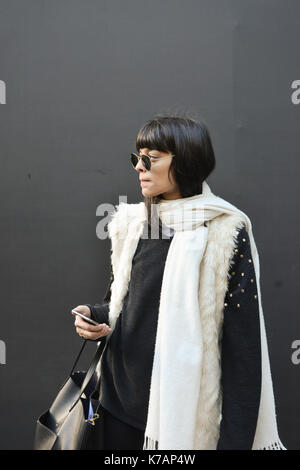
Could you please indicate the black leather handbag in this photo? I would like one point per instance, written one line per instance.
(69, 421)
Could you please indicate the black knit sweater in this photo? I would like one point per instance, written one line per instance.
(127, 360)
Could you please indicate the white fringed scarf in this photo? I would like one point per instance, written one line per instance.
(172, 420)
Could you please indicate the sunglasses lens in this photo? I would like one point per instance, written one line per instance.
(134, 159)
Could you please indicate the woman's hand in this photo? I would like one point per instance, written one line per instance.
(85, 329)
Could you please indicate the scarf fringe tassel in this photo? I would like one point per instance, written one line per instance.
(151, 444)
(274, 446)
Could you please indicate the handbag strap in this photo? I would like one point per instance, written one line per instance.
(90, 370)
(77, 358)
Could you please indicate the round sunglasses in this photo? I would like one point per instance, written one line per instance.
(146, 159)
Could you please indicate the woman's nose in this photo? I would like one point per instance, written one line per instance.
(140, 166)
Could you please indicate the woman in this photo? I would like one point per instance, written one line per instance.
(186, 364)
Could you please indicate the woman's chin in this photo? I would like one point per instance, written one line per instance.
(148, 193)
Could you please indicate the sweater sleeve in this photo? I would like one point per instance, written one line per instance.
(241, 352)
(100, 312)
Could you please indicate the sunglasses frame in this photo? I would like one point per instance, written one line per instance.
(147, 158)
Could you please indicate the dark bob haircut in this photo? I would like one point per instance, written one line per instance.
(190, 141)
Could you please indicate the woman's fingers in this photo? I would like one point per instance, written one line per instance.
(102, 330)
(84, 325)
(88, 335)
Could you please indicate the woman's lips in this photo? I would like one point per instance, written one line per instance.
(144, 182)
